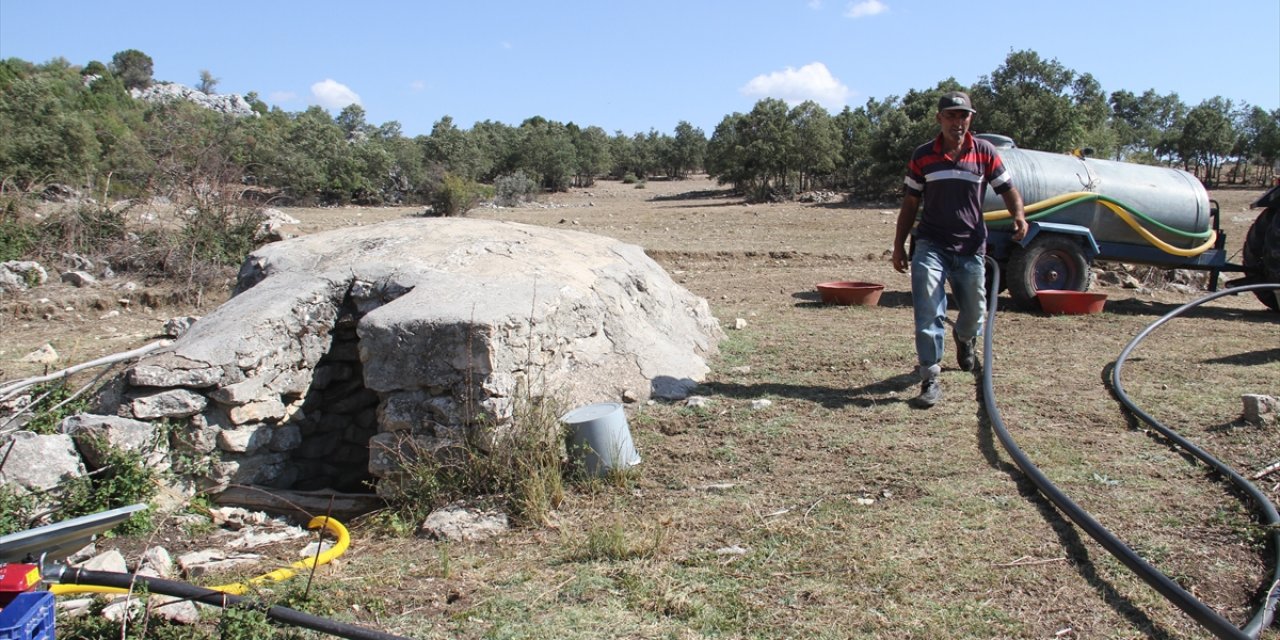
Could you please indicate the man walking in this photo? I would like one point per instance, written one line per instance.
(950, 175)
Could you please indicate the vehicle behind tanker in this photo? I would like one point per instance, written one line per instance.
(1083, 209)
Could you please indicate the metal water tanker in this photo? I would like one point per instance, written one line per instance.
(1081, 209)
(1169, 196)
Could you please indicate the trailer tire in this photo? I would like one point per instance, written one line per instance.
(1050, 262)
(1261, 258)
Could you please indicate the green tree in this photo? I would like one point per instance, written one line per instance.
(688, 149)
(622, 154)
(208, 84)
(45, 137)
(659, 151)
(454, 149)
(727, 160)
(494, 145)
(854, 130)
(352, 122)
(312, 145)
(1035, 101)
(591, 146)
(545, 151)
(1208, 136)
(1090, 103)
(769, 140)
(133, 67)
(1132, 123)
(817, 148)
(255, 102)
(1262, 146)
(406, 179)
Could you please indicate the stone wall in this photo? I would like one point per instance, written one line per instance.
(339, 348)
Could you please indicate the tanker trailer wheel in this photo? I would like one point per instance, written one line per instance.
(1261, 258)
(1050, 262)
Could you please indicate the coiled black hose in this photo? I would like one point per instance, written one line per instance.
(177, 589)
(1265, 510)
(1200, 612)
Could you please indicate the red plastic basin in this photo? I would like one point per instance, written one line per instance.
(1071, 302)
(859, 293)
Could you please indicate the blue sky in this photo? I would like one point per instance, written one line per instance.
(635, 66)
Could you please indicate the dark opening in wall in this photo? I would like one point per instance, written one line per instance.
(337, 418)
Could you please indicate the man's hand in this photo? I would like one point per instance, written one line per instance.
(1020, 228)
(906, 220)
(1013, 202)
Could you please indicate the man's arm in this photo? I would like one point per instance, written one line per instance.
(907, 219)
(1013, 202)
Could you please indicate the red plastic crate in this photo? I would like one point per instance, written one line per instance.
(28, 617)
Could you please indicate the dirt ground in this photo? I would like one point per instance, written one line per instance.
(837, 511)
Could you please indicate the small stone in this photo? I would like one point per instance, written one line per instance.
(740, 323)
(1259, 409)
(79, 279)
(697, 402)
(762, 403)
(110, 560)
(43, 355)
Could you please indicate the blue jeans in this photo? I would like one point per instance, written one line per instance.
(930, 267)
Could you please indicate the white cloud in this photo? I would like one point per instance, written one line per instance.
(815, 4)
(865, 8)
(282, 97)
(810, 82)
(418, 85)
(506, 45)
(332, 94)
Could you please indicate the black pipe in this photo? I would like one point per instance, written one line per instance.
(188, 591)
(1266, 511)
(1200, 612)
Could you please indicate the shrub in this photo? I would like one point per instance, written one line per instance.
(84, 228)
(512, 189)
(221, 235)
(518, 463)
(52, 402)
(124, 479)
(455, 196)
(18, 233)
(16, 510)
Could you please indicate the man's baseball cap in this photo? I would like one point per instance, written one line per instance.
(955, 100)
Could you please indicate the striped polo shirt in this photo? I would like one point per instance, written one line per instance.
(953, 192)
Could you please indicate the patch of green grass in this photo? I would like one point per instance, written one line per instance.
(123, 479)
(16, 509)
(618, 542)
(52, 402)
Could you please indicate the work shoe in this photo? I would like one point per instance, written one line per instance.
(966, 353)
(930, 393)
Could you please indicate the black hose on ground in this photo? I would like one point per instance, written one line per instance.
(1266, 511)
(1200, 612)
(188, 591)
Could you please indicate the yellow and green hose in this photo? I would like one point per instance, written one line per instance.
(1127, 213)
(239, 588)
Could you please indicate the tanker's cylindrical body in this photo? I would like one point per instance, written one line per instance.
(1171, 196)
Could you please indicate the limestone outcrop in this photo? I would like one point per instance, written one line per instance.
(342, 342)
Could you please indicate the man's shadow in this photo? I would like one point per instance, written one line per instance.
(884, 392)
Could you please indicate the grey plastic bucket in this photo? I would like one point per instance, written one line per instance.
(600, 439)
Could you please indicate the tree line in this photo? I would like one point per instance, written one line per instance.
(78, 125)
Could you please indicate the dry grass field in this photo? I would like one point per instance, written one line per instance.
(838, 511)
